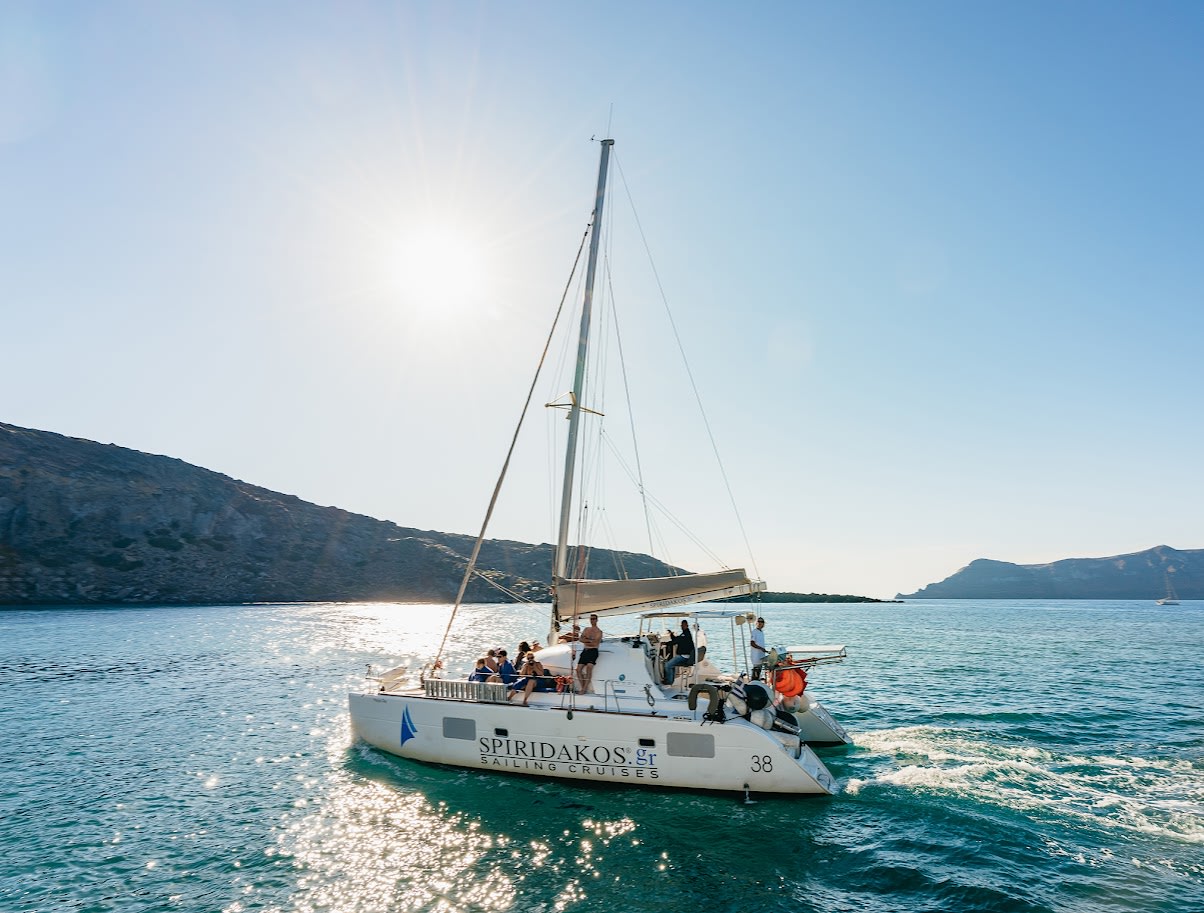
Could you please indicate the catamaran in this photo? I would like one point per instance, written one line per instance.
(702, 722)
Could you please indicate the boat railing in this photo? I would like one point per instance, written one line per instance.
(484, 692)
(806, 658)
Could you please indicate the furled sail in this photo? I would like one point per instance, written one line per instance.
(619, 597)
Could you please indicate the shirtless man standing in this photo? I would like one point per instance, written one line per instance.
(591, 639)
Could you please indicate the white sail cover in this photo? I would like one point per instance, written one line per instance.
(620, 597)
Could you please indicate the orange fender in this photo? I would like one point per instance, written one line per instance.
(789, 683)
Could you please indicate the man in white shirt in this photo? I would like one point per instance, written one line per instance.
(757, 643)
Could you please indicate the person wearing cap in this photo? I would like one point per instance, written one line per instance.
(757, 643)
(683, 644)
(505, 669)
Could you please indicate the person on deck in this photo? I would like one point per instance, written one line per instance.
(591, 639)
(757, 643)
(481, 673)
(683, 645)
(505, 669)
(534, 678)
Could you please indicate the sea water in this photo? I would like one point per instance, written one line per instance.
(1009, 756)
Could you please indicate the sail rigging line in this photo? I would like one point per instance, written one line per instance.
(690, 374)
(570, 450)
(669, 515)
(591, 479)
(555, 449)
(635, 444)
(497, 489)
(581, 558)
(664, 510)
(602, 530)
(517, 597)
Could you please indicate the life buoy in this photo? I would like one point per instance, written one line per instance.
(789, 683)
(710, 691)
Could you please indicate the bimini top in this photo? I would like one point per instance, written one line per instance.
(703, 614)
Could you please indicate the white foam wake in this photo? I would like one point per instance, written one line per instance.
(1158, 796)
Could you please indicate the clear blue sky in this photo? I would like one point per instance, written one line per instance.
(938, 266)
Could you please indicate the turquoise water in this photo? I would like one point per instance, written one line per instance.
(1008, 757)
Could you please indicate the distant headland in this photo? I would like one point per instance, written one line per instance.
(83, 523)
(1150, 574)
(804, 597)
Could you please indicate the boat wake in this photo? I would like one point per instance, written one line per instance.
(1161, 797)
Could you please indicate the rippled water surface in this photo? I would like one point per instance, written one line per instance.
(1009, 757)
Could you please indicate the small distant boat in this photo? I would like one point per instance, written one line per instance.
(1171, 598)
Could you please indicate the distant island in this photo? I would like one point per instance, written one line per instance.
(1140, 575)
(83, 523)
(803, 597)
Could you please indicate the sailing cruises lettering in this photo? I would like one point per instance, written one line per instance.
(584, 759)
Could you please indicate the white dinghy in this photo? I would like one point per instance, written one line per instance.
(710, 727)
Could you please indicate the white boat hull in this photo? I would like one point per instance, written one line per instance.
(670, 749)
(817, 726)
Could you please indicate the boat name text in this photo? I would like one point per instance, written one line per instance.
(592, 760)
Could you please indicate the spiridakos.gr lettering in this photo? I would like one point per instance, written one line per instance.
(527, 753)
(547, 751)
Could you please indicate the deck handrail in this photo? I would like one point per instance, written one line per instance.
(484, 692)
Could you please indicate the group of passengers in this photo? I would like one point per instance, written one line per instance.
(528, 674)
(680, 650)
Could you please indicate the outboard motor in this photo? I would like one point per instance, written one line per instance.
(784, 721)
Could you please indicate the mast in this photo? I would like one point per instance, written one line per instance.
(570, 457)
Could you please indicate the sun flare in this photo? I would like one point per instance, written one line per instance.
(440, 270)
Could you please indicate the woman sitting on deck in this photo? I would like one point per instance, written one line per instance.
(534, 678)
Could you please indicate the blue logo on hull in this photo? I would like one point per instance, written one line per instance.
(407, 727)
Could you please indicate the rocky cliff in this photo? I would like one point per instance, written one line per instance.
(82, 522)
(1141, 575)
